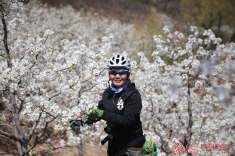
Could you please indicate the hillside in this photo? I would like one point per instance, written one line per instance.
(206, 15)
(124, 10)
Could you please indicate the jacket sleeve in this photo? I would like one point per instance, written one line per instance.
(132, 110)
(100, 105)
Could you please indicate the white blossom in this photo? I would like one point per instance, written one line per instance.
(62, 143)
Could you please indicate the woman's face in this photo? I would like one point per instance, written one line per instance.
(118, 76)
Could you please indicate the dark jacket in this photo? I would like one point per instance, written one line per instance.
(122, 112)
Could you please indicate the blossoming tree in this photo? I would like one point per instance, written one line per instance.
(37, 77)
(50, 77)
(191, 99)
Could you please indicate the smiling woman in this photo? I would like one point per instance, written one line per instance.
(120, 107)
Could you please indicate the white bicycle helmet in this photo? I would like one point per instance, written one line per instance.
(119, 61)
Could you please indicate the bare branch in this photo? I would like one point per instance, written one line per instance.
(10, 136)
(189, 134)
(88, 89)
(42, 109)
(35, 143)
(45, 128)
(21, 104)
(15, 114)
(44, 131)
(43, 42)
(91, 77)
(6, 125)
(5, 36)
(34, 126)
(64, 69)
(54, 95)
(164, 144)
(86, 80)
(32, 65)
(84, 90)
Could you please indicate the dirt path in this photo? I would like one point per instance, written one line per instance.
(88, 150)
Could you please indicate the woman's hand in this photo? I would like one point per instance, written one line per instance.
(95, 113)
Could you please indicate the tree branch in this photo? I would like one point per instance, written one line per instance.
(10, 136)
(5, 37)
(15, 115)
(64, 69)
(88, 89)
(6, 125)
(35, 143)
(188, 136)
(21, 104)
(44, 130)
(163, 143)
(54, 95)
(34, 127)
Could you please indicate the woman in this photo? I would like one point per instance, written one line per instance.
(120, 107)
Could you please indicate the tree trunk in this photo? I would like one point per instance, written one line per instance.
(18, 131)
(80, 151)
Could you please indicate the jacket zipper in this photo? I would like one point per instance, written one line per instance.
(113, 101)
(113, 98)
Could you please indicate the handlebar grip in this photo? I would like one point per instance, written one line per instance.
(77, 128)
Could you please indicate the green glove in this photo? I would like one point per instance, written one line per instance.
(95, 113)
(150, 147)
(71, 124)
(75, 124)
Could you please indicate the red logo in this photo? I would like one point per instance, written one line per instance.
(177, 148)
(190, 148)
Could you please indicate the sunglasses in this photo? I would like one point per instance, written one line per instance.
(120, 72)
